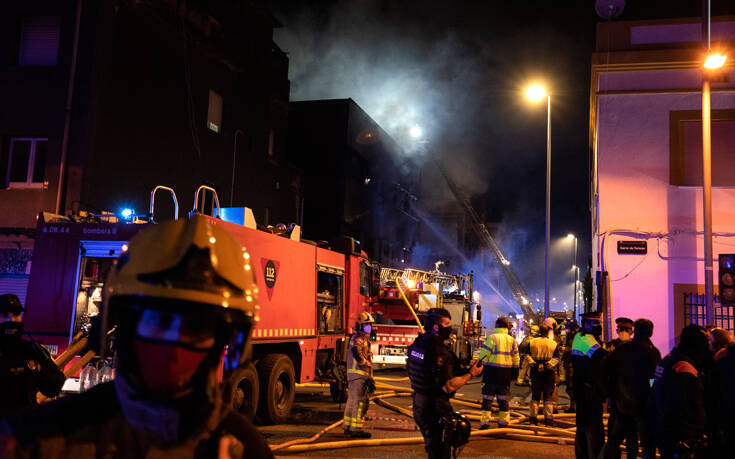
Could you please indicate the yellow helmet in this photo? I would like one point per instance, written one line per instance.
(534, 329)
(189, 266)
(365, 318)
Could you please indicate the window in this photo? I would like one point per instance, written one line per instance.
(685, 145)
(214, 113)
(271, 142)
(39, 41)
(26, 162)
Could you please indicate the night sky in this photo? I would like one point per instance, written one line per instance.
(457, 69)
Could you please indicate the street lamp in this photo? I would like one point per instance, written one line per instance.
(713, 62)
(575, 268)
(535, 93)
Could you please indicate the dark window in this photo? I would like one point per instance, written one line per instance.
(39, 41)
(26, 161)
(685, 146)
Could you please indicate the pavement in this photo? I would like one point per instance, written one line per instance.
(314, 410)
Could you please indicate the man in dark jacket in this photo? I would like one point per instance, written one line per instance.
(678, 397)
(25, 366)
(587, 356)
(628, 371)
(183, 299)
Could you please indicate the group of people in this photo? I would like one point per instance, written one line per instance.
(679, 405)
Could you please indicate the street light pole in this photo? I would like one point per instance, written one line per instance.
(576, 276)
(548, 204)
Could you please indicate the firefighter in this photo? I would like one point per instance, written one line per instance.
(544, 359)
(587, 357)
(523, 351)
(500, 359)
(556, 336)
(25, 366)
(359, 371)
(183, 299)
(435, 376)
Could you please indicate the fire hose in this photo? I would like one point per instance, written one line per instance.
(515, 431)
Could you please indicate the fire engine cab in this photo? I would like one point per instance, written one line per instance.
(310, 297)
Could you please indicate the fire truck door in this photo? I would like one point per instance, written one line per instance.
(330, 302)
(95, 260)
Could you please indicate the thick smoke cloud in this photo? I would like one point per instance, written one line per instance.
(457, 70)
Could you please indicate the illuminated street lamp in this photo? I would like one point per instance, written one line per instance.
(535, 93)
(415, 131)
(575, 268)
(713, 61)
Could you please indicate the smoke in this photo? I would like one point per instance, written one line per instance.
(456, 70)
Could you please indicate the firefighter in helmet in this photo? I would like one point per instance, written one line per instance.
(359, 373)
(183, 299)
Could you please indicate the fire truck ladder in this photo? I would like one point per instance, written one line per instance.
(444, 281)
(519, 292)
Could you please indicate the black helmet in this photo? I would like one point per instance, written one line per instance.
(455, 429)
(10, 304)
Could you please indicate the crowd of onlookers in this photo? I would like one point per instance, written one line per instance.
(679, 405)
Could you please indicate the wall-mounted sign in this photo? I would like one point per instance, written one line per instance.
(633, 247)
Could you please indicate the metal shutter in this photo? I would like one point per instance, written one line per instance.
(15, 284)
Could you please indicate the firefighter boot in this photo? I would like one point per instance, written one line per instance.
(549, 414)
(533, 412)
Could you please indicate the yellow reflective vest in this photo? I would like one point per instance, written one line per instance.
(500, 350)
(359, 357)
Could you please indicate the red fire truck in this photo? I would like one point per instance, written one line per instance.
(406, 294)
(310, 297)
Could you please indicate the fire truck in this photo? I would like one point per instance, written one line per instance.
(403, 298)
(310, 296)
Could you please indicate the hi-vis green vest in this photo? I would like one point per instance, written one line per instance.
(584, 346)
(500, 350)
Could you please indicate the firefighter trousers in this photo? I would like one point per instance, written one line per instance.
(357, 404)
(542, 385)
(489, 392)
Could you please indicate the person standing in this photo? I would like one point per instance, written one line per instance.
(544, 360)
(25, 366)
(435, 377)
(566, 360)
(524, 350)
(587, 356)
(500, 359)
(624, 329)
(182, 299)
(723, 388)
(628, 370)
(359, 371)
(678, 400)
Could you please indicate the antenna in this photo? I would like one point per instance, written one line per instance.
(609, 9)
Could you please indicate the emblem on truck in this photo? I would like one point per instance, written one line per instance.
(270, 274)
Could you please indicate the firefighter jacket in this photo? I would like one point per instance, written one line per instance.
(587, 356)
(678, 401)
(359, 357)
(94, 424)
(430, 365)
(25, 369)
(628, 372)
(544, 351)
(500, 358)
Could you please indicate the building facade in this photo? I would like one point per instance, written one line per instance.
(104, 100)
(646, 170)
(357, 180)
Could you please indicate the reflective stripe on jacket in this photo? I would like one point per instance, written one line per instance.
(359, 357)
(500, 350)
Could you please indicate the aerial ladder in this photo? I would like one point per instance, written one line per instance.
(519, 292)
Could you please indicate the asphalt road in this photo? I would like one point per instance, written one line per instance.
(314, 410)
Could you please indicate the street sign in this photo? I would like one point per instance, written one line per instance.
(632, 247)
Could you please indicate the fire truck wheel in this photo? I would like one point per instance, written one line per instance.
(277, 388)
(247, 389)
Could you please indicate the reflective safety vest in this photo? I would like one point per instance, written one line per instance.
(500, 350)
(360, 345)
(584, 345)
